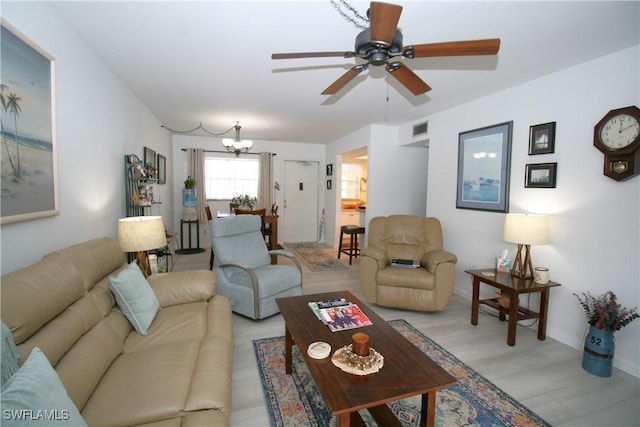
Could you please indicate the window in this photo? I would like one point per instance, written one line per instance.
(227, 177)
(350, 181)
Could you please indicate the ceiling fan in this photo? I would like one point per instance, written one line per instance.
(381, 43)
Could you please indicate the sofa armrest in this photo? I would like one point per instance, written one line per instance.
(379, 255)
(181, 287)
(432, 259)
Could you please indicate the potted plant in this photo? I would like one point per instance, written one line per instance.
(189, 199)
(189, 182)
(245, 200)
(604, 316)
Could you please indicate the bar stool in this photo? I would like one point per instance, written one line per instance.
(353, 250)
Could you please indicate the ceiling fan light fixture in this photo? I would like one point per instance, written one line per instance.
(364, 45)
(382, 42)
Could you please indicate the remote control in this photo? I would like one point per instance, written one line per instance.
(334, 303)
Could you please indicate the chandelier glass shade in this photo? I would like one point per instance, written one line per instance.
(237, 145)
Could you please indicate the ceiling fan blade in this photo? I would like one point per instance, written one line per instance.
(344, 79)
(312, 55)
(384, 21)
(459, 48)
(408, 78)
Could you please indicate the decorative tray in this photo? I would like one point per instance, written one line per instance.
(345, 359)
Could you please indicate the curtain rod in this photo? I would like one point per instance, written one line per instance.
(227, 152)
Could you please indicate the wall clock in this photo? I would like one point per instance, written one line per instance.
(617, 135)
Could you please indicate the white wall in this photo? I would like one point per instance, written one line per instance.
(396, 175)
(594, 220)
(99, 120)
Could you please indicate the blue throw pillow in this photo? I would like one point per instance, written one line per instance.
(135, 297)
(9, 355)
(35, 396)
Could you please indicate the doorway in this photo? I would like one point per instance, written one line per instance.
(300, 201)
(352, 189)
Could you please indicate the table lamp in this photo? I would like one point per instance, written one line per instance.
(525, 230)
(139, 234)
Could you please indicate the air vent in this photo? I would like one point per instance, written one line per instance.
(420, 129)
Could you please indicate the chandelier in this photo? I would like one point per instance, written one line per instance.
(237, 145)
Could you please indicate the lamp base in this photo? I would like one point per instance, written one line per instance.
(143, 263)
(523, 269)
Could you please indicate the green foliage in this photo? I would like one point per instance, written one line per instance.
(245, 200)
(604, 312)
(189, 182)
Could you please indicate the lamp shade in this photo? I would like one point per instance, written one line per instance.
(141, 233)
(526, 229)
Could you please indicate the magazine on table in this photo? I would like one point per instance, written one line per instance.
(315, 306)
(339, 314)
(344, 317)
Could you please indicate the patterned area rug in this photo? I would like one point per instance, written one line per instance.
(314, 256)
(294, 400)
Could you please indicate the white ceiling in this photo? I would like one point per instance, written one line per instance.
(210, 62)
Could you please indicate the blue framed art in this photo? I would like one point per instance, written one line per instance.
(484, 165)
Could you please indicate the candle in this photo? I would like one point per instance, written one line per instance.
(541, 275)
(360, 344)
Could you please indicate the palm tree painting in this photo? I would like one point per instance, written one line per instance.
(28, 155)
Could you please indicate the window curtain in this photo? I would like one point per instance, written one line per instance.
(265, 182)
(196, 171)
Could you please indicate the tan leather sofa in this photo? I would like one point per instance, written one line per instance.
(427, 288)
(179, 374)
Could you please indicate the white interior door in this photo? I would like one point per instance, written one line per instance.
(299, 222)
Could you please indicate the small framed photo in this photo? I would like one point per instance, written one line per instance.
(149, 159)
(329, 184)
(162, 169)
(541, 175)
(542, 138)
(329, 169)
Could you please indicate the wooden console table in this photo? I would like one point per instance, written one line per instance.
(511, 287)
(270, 233)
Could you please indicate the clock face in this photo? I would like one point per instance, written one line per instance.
(619, 131)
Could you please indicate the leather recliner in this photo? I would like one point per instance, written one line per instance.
(425, 288)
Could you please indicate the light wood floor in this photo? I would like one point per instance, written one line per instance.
(546, 376)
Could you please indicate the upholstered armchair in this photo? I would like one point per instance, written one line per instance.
(426, 288)
(244, 272)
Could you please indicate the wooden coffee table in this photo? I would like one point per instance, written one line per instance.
(407, 371)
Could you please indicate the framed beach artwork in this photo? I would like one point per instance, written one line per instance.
(28, 138)
(484, 163)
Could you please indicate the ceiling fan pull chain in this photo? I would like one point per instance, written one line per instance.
(352, 10)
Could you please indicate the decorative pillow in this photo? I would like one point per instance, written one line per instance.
(9, 355)
(35, 396)
(135, 297)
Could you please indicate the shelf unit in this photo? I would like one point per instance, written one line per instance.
(139, 188)
(139, 199)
